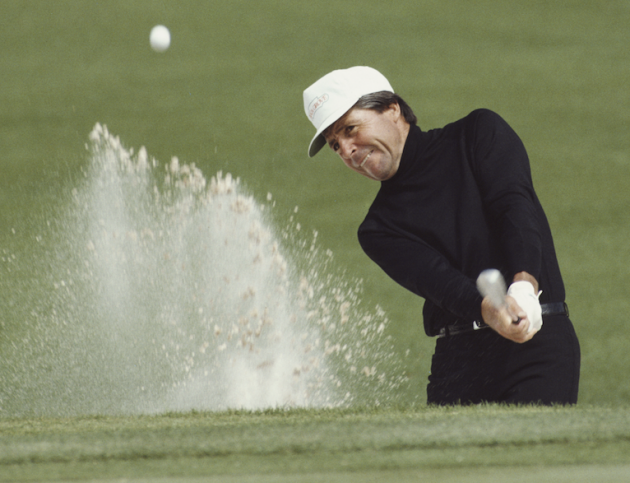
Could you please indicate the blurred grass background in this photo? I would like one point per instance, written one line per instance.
(227, 96)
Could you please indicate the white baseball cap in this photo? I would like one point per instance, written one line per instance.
(328, 99)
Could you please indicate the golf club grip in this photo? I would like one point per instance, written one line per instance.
(491, 284)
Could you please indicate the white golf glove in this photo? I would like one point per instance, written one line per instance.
(527, 299)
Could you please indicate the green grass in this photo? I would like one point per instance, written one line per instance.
(227, 96)
(487, 443)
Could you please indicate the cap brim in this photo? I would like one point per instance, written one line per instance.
(317, 144)
(318, 141)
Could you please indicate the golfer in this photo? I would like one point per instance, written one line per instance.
(453, 202)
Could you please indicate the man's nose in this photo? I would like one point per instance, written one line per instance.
(346, 149)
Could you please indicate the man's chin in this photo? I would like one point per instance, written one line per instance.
(375, 174)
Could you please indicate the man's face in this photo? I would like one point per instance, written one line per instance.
(369, 142)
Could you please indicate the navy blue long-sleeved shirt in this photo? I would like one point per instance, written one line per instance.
(461, 201)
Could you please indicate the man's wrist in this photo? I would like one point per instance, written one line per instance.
(526, 277)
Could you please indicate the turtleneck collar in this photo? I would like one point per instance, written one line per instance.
(411, 151)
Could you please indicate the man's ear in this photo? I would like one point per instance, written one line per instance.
(394, 110)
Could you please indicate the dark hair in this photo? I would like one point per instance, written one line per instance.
(380, 101)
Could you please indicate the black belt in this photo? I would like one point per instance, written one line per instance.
(554, 308)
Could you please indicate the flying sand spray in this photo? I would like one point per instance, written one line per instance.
(171, 293)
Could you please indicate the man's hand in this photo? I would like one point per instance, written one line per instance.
(503, 319)
(521, 316)
(527, 299)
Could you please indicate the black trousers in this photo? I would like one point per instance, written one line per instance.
(482, 366)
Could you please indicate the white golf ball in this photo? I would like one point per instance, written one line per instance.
(160, 38)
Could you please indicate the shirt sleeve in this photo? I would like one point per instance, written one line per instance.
(434, 278)
(502, 170)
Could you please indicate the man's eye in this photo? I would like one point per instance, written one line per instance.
(349, 129)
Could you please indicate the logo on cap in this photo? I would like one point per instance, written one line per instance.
(316, 104)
